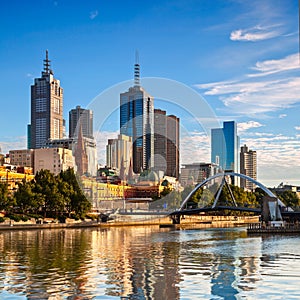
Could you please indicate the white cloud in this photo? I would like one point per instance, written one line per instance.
(272, 66)
(297, 127)
(257, 33)
(101, 138)
(244, 126)
(281, 116)
(252, 95)
(194, 147)
(12, 143)
(277, 157)
(93, 14)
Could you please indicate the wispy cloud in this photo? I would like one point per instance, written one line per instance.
(254, 34)
(93, 14)
(251, 95)
(277, 155)
(101, 138)
(297, 127)
(268, 67)
(281, 116)
(194, 147)
(12, 143)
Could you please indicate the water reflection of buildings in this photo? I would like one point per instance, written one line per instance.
(131, 267)
(235, 269)
(131, 262)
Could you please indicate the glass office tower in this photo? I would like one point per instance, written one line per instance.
(225, 147)
(137, 121)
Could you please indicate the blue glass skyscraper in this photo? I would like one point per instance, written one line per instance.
(225, 147)
(137, 121)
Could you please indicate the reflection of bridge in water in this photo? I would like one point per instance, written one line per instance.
(215, 203)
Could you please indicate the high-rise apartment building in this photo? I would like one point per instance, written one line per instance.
(225, 147)
(137, 121)
(46, 108)
(166, 143)
(81, 117)
(248, 167)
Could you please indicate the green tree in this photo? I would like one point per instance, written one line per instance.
(46, 186)
(26, 199)
(78, 203)
(289, 198)
(6, 201)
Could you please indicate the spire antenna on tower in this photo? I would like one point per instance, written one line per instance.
(47, 69)
(137, 69)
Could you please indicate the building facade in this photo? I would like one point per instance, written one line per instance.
(81, 117)
(248, 167)
(71, 144)
(137, 121)
(53, 159)
(46, 108)
(172, 146)
(22, 158)
(195, 173)
(225, 147)
(119, 154)
(166, 143)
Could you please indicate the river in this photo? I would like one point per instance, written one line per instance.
(148, 263)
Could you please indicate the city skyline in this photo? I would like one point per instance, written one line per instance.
(242, 58)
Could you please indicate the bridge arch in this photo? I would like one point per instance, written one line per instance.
(198, 186)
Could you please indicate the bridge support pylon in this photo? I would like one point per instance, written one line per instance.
(175, 219)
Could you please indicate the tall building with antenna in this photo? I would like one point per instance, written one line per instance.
(137, 121)
(46, 108)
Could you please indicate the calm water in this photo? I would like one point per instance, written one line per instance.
(148, 263)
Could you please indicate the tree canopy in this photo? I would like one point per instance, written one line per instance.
(50, 195)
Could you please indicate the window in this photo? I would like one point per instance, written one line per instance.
(40, 104)
(56, 105)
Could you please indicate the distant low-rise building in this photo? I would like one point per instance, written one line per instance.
(22, 158)
(194, 173)
(53, 159)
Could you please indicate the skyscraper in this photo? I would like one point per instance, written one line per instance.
(172, 146)
(224, 147)
(166, 143)
(248, 167)
(46, 108)
(137, 121)
(80, 117)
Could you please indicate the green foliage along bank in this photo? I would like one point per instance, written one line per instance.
(47, 195)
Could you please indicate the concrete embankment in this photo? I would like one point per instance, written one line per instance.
(165, 221)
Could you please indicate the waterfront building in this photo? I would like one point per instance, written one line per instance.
(191, 174)
(137, 121)
(248, 166)
(53, 159)
(13, 178)
(46, 108)
(71, 144)
(81, 117)
(119, 154)
(225, 146)
(22, 157)
(166, 143)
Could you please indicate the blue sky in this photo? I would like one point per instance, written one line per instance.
(242, 57)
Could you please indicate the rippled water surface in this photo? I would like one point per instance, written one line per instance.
(148, 263)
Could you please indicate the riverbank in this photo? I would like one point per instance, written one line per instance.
(139, 220)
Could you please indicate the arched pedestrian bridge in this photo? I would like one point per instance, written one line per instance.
(208, 197)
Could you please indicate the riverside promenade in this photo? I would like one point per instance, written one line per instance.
(164, 221)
